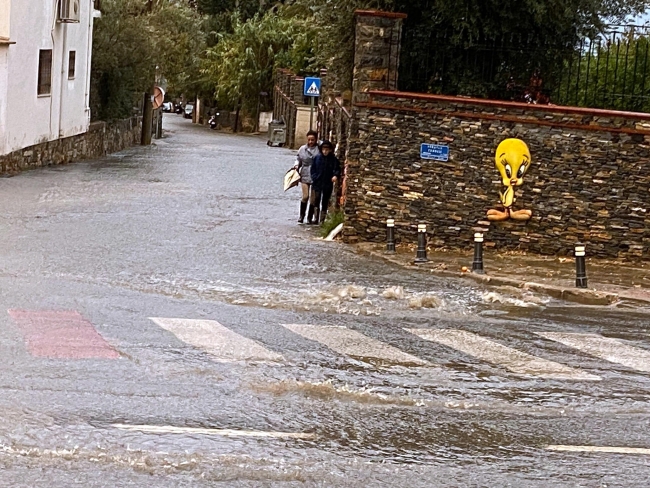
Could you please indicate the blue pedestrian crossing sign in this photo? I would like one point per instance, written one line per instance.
(312, 87)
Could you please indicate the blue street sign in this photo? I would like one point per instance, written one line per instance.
(312, 87)
(437, 152)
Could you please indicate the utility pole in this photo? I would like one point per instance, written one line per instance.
(147, 107)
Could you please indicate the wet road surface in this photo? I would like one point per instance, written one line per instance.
(167, 323)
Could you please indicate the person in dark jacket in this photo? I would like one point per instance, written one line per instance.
(325, 172)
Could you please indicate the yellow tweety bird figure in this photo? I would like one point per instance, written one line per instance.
(512, 161)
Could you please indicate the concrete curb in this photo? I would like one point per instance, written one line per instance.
(573, 295)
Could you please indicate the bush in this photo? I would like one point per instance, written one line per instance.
(331, 222)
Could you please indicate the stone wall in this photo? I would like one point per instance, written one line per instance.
(589, 180)
(102, 138)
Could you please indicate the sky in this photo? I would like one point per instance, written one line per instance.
(643, 19)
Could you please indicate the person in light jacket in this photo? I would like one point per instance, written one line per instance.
(304, 160)
(325, 172)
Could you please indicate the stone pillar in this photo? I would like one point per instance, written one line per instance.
(376, 52)
(376, 61)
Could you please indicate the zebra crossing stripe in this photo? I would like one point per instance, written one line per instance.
(492, 352)
(170, 429)
(605, 348)
(600, 449)
(221, 343)
(354, 344)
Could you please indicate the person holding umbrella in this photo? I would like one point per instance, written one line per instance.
(325, 172)
(304, 160)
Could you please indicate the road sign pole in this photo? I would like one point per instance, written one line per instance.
(312, 90)
(311, 114)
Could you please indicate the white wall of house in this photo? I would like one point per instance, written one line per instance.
(27, 118)
(3, 95)
(5, 9)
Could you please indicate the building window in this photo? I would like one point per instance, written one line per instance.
(45, 72)
(71, 64)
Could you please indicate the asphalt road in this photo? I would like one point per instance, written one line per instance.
(164, 321)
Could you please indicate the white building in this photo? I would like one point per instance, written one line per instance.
(45, 54)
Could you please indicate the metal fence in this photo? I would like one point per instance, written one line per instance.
(609, 70)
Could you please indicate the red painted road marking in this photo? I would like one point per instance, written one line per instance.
(61, 334)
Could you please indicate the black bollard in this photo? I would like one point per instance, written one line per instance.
(581, 266)
(421, 256)
(390, 236)
(477, 265)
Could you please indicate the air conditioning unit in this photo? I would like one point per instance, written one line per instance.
(69, 11)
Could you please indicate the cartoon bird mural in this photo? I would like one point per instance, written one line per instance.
(512, 161)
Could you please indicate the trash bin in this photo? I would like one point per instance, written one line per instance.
(277, 133)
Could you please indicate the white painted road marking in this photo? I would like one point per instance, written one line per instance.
(351, 343)
(612, 450)
(516, 361)
(605, 348)
(219, 341)
(170, 429)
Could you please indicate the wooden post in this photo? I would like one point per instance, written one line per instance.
(147, 119)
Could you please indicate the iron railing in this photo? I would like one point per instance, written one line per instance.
(609, 70)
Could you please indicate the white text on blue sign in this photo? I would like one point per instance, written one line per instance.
(435, 152)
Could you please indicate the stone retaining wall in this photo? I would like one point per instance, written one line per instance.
(589, 181)
(102, 138)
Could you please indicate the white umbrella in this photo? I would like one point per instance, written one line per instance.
(291, 179)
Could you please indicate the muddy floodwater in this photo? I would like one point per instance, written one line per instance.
(166, 322)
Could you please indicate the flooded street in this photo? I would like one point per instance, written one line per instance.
(166, 322)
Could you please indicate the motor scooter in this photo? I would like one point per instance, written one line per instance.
(213, 121)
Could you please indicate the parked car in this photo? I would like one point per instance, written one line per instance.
(189, 110)
(178, 108)
(168, 107)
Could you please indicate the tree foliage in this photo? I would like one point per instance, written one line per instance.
(321, 35)
(246, 8)
(221, 13)
(334, 21)
(242, 63)
(137, 42)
